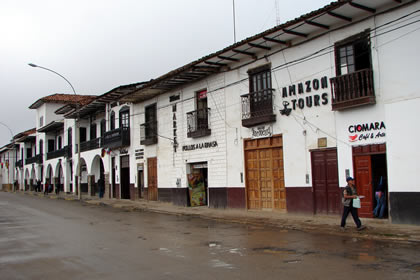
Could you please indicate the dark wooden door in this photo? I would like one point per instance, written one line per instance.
(114, 189)
(363, 180)
(152, 191)
(125, 177)
(327, 198)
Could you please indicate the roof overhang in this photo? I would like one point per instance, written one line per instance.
(52, 127)
(308, 26)
(99, 104)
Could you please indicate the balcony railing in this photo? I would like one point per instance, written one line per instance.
(352, 90)
(90, 145)
(148, 133)
(198, 123)
(19, 163)
(257, 108)
(30, 160)
(116, 138)
(39, 159)
(57, 153)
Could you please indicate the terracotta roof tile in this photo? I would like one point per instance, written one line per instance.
(63, 99)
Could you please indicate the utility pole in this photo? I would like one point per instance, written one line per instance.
(234, 22)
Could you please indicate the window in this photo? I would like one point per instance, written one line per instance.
(353, 84)
(51, 145)
(257, 106)
(28, 152)
(353, 54)
(59, 143)
(112, 121)
(148, 130)
(102, 128)
(41, 121)
(125, 117)
(82, 134)
(198, 121)
(93, 131)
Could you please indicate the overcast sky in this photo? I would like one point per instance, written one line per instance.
(101, 44)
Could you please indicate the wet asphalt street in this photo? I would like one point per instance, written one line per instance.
(55, 239)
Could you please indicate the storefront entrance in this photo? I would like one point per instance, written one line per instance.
(125, 177)
(327, 197)
(197, 184)
(370, 169)
(265, 173)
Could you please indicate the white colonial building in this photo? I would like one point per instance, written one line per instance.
(276, 121)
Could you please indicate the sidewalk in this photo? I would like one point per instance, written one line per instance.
(376, 229)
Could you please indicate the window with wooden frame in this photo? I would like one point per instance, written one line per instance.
(198, 120)
(353, 54)
(125, 117)
(112, 121)
(257, 106)
(353, 86)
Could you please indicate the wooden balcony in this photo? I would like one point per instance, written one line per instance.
(257, 108)
(352, 90)
(57, 153)
(148, 133)
(116, 138)
(198, 123)
(90, 145)
(30, 160)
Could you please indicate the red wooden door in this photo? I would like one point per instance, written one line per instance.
(363, 181)
(327, 198)
(152, 191)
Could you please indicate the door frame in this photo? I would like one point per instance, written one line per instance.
(245, 169)
(368, 150)
(149, 160)
(313, 185)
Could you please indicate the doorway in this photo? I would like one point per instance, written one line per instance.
(152, 188)
(369, 167)
(198, 184)
(114, 191)
(125, 177)
(140, 180)
(327, 197)
(264, 167)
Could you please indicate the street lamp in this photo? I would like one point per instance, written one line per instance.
(79, 179)
(11, 133)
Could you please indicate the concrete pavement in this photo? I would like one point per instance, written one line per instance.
(376, 229)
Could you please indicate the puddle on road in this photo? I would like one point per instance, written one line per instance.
(274, 250)
(220, 264)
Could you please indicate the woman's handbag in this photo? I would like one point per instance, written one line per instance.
(356, 203)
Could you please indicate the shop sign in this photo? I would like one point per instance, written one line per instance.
(261, 131)
(363, 132)
(305, 95)
(199, 146)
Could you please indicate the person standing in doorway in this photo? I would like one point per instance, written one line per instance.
(101, 186)
(38, 186)
(46, 187)
(379, 210)
(349, 194)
